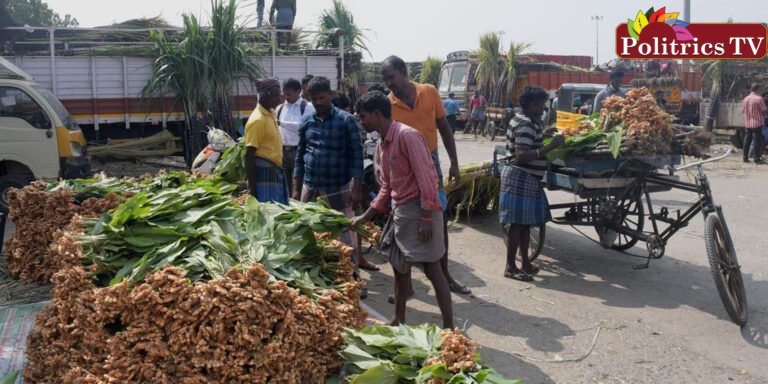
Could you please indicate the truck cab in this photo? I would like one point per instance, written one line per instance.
(39, 139)
(575, 101)
(456, 77)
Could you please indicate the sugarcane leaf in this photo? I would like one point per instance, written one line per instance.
(9, 378)
(494, 377)
(614, 142)
(407, 372)
(435, 370)
(380, 374)
(121, 274)
(359, 357)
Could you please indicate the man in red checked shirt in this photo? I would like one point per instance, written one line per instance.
(414, 233)
(753, 107)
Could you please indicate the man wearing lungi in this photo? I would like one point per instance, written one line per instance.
(522, 201)
(329, 158)
(414, 233)
(264, 147)
(419, 106)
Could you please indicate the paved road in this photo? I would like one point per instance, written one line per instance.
(665, 324)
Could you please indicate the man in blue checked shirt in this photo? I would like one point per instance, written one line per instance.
(329, 158)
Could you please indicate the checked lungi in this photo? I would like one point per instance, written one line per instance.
(522, 199)
(269, 183)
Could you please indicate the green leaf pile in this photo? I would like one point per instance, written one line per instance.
(198, 227)
(382, 354)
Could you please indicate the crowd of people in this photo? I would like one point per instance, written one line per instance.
(304, 142)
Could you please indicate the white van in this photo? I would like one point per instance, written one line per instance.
(39, 139)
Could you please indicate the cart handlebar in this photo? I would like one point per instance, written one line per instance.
(698, 163)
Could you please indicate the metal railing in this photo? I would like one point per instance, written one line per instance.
(270, 32)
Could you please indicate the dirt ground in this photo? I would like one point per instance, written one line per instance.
(590, 317)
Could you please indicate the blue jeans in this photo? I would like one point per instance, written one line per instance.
(442, 196)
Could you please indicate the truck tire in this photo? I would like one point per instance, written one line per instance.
(8, 182)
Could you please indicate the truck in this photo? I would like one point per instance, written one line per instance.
(101, 89)
(548, 71)
(39, 138)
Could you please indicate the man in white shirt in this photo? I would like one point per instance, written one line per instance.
(289, 116)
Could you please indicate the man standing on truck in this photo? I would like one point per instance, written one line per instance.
(289, 117)
(264, 147)
(451, 109)
(419, 106)
(753, 108)
(286, 14)
(612, 89)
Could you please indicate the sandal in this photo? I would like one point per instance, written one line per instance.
(456, 287)
(367, 265)
(531, 270)
(518, 275)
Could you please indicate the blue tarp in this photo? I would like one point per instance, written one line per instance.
(15, 324)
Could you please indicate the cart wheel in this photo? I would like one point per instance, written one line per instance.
(725, 269)
(536, 243)
(490, 130)
(633, 213)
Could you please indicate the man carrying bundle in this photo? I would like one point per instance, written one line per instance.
(264, 147)
(414, 233)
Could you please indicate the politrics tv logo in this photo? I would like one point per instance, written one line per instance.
(661, 35)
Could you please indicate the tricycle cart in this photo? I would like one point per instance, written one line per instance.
(614, 197)
(496, 121)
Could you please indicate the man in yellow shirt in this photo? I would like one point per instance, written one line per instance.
(419, 106)
(264, 147)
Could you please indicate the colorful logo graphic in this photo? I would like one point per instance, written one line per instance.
(635, 27)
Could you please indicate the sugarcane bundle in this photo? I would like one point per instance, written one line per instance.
(477, 190)
(421, 354)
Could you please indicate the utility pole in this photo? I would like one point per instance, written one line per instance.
(597, 19)
(687, 11)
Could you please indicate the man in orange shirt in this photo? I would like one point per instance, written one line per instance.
(420, 106)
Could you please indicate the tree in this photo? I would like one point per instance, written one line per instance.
(430, 71)
(714, 73)
(339, 18)
(489, 64)
(36, 13)
(200, 70)
(510, 68)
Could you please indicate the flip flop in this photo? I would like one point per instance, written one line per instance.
(518, 275)
(456, 287)
(368, 266)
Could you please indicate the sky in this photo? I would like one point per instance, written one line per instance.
(415, 29)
